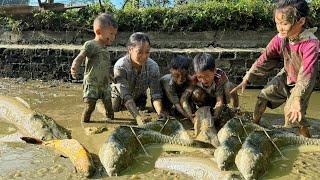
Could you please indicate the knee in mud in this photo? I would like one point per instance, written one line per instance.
(89, 104)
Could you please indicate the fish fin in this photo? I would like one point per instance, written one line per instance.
(63, 156)
(31, 140)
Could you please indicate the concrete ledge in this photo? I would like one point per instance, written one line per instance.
(226, 39)
(47, 62)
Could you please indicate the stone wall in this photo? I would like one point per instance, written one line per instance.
(53, 61)
(48, 55)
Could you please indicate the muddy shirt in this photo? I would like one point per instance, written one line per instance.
(97, 64)
(218, 88)
(172, 90)
(131, 85)
(299, 57)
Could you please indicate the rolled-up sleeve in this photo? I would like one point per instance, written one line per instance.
(154, 82)
(120, 76)
(88, 49)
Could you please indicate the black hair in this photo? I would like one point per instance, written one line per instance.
(180, 62)
(106, 19)
(203, 62)
(294, 9)
(138, 37)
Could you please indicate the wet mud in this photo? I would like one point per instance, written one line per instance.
(25, 161)
(63, 102)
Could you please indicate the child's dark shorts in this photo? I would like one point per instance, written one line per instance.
(277, 92)
(93, 92)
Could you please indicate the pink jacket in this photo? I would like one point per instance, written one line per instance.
(299, 58)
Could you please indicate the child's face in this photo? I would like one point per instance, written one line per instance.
(106, 35)
(139, 53)
(206, 77)
(286, 26)
(179, 75)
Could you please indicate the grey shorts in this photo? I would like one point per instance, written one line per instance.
(93, 92)
(118, 102)
(277, 92)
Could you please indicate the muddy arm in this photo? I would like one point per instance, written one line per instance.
(76, 63)
(120, 75)
(173, 97)
(157, 104)
(218, 107)
(184, 101)
(181, 111)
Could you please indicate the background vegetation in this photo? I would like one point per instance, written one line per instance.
(192, 16)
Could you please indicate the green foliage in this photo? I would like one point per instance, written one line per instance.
(46, 20)
(315, 13)
(212, 15)
(200, 16)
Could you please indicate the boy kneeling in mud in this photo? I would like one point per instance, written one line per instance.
(211, 88)
(174, 84)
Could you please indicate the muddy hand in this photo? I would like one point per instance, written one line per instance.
(241, 86)
(73, 73)
(142, 119)
(294, 116)
(163, 115)
(191, 118)
(294, 113)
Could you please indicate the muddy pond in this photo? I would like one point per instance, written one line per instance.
(63, 102)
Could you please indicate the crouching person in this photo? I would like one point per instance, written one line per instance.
(134, 74)
(211, 88)
(297, 49)
(174, 84)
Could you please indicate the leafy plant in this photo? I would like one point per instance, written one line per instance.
(194, 16)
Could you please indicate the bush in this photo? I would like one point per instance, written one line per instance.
(202, 16)
(315, 12)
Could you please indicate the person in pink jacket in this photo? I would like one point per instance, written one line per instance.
(298, 48)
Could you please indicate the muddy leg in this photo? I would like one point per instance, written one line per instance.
(302, 125)
(116, 103)
(108, 105)
(141, 102)
(109, 109)
(234, 99)
(89, 108)
(261, 106)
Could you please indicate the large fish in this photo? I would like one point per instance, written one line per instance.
(118, 151)
(30, 123)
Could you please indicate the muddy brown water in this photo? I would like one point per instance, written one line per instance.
(63, 102)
